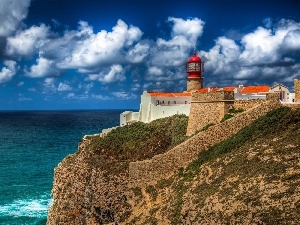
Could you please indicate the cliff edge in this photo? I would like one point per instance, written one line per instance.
(250, 177)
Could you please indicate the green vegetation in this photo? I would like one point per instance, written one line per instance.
(273, 122)
(139, 141)
(231, 113)
(273, 132)
(152, 191)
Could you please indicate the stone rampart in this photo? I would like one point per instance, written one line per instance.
(142, 173)
(247, 104)
(208, 108)
(212, 96)
(297, 90)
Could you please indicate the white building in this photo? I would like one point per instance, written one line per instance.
(284, 93)
(155, 105)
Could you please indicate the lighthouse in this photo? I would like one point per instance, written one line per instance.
(194, 69)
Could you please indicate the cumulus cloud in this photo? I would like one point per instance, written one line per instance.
(12, 12)
(124, 95)
(184, 36)
(102, 55)
(92, 50)
(43, 68)
(192, 29)
(138, 53)
(108, 56)
(64, 87)
(8, 71)
(27, 42)
(116, 74)
(267, 53)
(49, 85)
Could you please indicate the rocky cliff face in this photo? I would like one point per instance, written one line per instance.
(86, 194)
(250, 178)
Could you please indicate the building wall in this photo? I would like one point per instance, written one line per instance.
(128, 117)
(143, 173)
(297, 90)
(250, 96)
(208, 108)
(161, 111)
(194, 84)
(145, 107)
(152, 108)
(284, 93)
(160, 100)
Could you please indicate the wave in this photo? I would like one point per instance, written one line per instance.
(37, 208)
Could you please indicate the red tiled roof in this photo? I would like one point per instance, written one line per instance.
(229, 88)
(170, 94)
(255, 89)
(203, 90)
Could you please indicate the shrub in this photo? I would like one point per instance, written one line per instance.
(140, 141)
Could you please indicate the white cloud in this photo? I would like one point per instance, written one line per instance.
(154, 70)
(115, 74)
(138, 53)
(124, 95)
(12, 12)
(102, 48)
(100, 97)
(192, 29)
(43, 68)
(27, 42)
(262, 55)
(23, 98)
(49, 85)
(291, 41)
(64, 87)
(8, 71)
(169, 56)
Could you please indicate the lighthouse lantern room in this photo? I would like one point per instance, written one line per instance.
(194, 69)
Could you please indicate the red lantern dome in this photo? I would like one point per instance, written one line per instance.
(195, 58)
(194, 67)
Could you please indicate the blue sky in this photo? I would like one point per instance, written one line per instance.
(60, 54)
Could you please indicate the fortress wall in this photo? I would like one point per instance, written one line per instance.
(247, 104)
(202, 114)
(212, 96)
(208, 108)
(142, 173)
(297, 90)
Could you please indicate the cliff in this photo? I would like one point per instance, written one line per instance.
(249, 176)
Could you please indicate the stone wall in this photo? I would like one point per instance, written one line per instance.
(297, 90)
(208, 108)
(142, 173)
(247, 104)
(194, 84)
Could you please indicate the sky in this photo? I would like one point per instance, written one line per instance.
(93, 54)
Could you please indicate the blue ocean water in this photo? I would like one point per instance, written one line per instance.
(32, 143)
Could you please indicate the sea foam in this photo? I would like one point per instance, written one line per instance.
(27, 207)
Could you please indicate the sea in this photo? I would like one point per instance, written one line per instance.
(32, 143)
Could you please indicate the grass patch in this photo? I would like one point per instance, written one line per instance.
(140, 141)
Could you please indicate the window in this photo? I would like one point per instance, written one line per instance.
(174, 102)
(185, 102)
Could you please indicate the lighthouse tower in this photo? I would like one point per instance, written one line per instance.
(194, 69)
